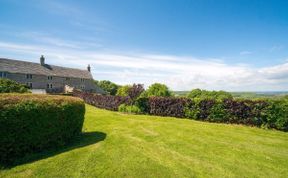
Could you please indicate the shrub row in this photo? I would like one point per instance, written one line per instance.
(167, 106)
(261, 113)
(102, 101)
(32, 123)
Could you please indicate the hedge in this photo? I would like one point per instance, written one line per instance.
(268, 113)
(167, 106)
(103, 101)
(32, 123)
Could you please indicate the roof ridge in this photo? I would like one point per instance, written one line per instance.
(18, 66)
(45, 63)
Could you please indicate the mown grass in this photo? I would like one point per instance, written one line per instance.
(121, 145)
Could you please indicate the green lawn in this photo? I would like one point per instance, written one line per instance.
(120, 145)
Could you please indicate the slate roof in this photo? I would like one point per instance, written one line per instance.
(23, 67)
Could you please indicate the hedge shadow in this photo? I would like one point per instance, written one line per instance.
(84, 139)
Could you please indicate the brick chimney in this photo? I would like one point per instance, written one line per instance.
(42, 60)
(89, 68)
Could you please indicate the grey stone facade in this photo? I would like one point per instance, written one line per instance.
(48, 77)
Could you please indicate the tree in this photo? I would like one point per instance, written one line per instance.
(107, 86)
(195, 93)
(157, 89)
(135, 91)
(10, 86)
(123, 90)
(204, 94)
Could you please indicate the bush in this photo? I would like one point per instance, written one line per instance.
(143, 104)
(129, 109)
(277, 114)
(246, 112)
(32, 123)
(10, 86)
(167, 106)
(103, 101)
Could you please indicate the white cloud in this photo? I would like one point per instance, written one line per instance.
(178, 72)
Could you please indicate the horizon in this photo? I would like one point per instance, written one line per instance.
(237, 46)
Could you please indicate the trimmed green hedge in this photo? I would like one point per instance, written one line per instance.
(32, 123)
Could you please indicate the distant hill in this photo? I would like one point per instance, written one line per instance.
(256, 94)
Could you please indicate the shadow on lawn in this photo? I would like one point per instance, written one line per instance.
(85, 139)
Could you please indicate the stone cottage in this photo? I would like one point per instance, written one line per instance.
(50, 78)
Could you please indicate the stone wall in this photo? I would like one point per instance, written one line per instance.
(58, 83)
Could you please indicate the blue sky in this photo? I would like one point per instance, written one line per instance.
(231, 45)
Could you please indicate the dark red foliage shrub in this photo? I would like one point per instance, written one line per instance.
(135, 91)
(245, 111)
(167, 106)
(205, 106)
(103, 101)
(265, 113)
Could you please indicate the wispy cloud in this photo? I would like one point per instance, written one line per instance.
(178, 72)
(245, 52)
(276, 48)
(47, 39)
(58, 7)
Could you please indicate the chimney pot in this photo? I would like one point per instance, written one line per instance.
(89, 68)
(42, 60)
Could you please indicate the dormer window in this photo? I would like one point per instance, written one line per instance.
(28, 76)
(49, 77)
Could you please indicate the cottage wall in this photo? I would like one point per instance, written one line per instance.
(43, 82)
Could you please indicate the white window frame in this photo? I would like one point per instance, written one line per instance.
(3, 74)
(29, 76)
(49, 86)
(29, 84)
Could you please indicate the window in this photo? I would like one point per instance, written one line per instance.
(49, 77)
(3, 74)
(49, 85)
(28, 76)
(67, 78)
(82, 86)
(29, 84)
(82, 80)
